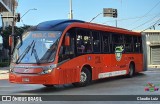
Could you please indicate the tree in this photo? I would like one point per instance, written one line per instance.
(8, 31)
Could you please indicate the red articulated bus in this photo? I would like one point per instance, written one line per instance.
(74, 51)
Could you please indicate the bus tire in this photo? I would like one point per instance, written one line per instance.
(48, 85)
(131, 70)
(85, 78)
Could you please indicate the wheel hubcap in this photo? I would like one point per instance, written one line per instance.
(83, 77)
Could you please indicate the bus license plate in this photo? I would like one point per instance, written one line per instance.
(25, 79)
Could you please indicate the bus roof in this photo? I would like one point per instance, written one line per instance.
(111, 29)
(56, 24)
(61, 25)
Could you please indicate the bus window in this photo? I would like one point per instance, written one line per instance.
(84, 41)
(96, 42)
(136, 44)
(68, 52)
(117, 38)
(117, 41)
(140, 44)
(128, 41)
(106, 42)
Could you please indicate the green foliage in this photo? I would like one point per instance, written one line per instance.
(8, 31)
(4, 64)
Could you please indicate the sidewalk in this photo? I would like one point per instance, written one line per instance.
(4, 72)
(153, 69)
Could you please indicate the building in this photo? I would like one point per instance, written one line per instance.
(152, 38)
(6, 9)
(6, 5)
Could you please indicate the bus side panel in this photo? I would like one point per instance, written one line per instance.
(138, 59)
(99, 64)
(122, 65)
(118, 64)
(69, 71)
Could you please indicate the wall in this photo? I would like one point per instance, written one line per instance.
(152, 40)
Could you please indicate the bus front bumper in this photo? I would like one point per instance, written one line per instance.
(32, 79)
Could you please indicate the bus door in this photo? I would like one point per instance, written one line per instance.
(106, 50)
(67, 66)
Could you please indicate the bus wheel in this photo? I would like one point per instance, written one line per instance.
(49, 86)
(131, 70)
(85, 78)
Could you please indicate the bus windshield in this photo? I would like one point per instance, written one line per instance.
(36, 47)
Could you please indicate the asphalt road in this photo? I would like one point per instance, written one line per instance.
(111, 86)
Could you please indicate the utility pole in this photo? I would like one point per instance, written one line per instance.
(13, 24)
(71, 11)
(116, 23)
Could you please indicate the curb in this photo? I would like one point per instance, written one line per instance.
(4, 76)
(4, 71)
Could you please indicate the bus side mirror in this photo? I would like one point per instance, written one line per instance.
(10, 40)
(67, 41)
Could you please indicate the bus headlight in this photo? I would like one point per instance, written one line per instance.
(48, 69)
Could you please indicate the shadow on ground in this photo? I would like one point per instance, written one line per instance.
(59, 88)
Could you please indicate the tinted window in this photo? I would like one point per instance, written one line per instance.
(84, 40)
(117, 41)
(68, 52)
(106, 42)
(117, 38)
(137, 44)
(128, 43)
(96, 42)
(140, 44)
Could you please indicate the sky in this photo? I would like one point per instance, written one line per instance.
(132, 14)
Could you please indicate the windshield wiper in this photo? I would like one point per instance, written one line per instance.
(24, 53)
(33, 51)
(33, 48)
